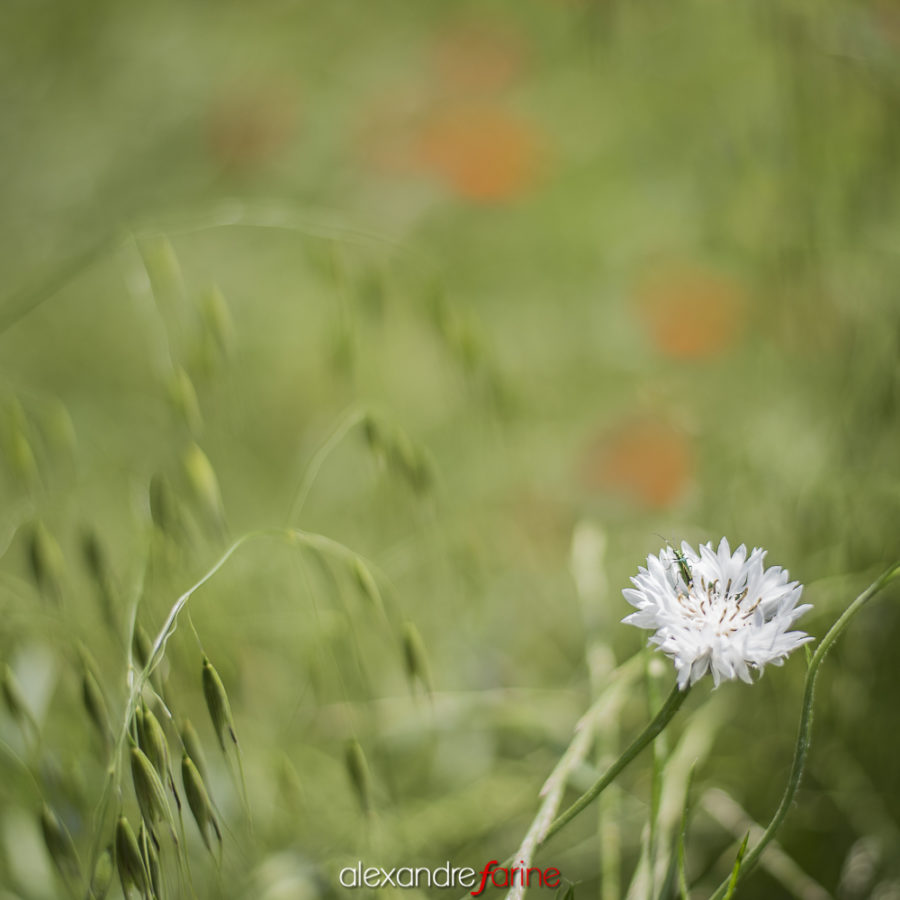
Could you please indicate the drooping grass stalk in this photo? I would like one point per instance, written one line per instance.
(806, 717)
(17, 760)
(139, 677)
(349, 421)
(20, 304)
(665, 715)
(276, 216)
(226, 214)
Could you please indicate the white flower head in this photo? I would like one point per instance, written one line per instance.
(717, 611)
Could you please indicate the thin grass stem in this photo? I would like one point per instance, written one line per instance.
(350, 420)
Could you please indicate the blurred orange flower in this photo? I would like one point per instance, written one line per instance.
(646, 460)
(691, 312)
(484, 153)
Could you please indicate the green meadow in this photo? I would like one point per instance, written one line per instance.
(354, 356)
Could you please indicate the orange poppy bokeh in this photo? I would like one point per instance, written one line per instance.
(690, 312)
(483, 153)
(645, 460)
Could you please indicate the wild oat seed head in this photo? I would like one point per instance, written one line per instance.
(128, 858)
(46, 560)
(358, 770)
(191, 742)
(416, 657)
(148, 789)
(217, 704)
(198, 801)
(12, 695)
(150, 858)
(202, 480)
(59, 844)
(141, 646)
(162, 504)
(101, 880)
(367, 584)
(95, 704)
(183, 397)
(152, 739)
(93, 555)
(217, 318)
(717, 611)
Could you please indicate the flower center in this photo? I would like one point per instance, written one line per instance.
(707, 605)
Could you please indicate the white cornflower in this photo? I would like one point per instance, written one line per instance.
(717, 611)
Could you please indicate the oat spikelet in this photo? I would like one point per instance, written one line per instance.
(416, 657)
(367, 584)
(403, 456)
(162, 506)
(217, 704)
(98, 568)
(59, 845)
(13, 698)
(129, 861)
(45, 558)
(204, 485)
(358, 770)
(152, 740)
(192, 746)
(373, 431)
(218, 321)
(166, 279)
(18, 448)
(101, 880)
(199, 802)
(141, 646)
(148, 789)
(150, 858)
(411, 462)
(95, 704)
(183, 398)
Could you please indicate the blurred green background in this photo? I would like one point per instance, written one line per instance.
(632, 264)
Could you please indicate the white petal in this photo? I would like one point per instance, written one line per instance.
(733, 617)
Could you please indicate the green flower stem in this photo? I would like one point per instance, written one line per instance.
(803, 737)
(653, 729)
